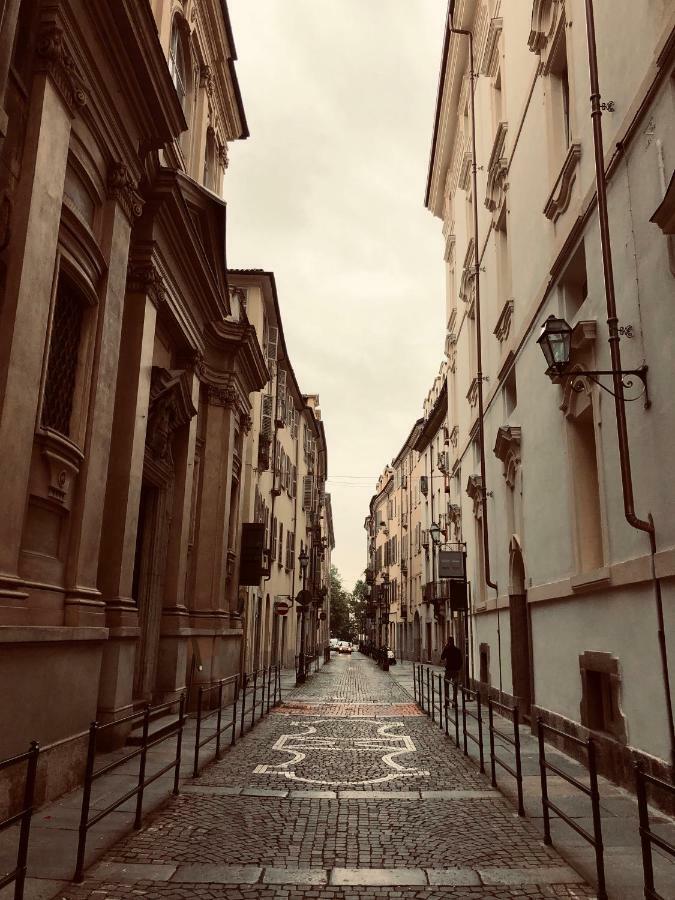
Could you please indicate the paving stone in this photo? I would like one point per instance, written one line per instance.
(295, 876)
(379, 795)
(460, 795)
(205, 874)
(312, 795)
(218, 791)
(111, 871)
(263, 792)
(535, 875)
(382, 877)
(461, 877)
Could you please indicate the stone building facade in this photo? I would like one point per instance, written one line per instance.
(569, 624)
(128, 367)
(285, 466)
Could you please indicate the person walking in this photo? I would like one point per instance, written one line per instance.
(452, 656)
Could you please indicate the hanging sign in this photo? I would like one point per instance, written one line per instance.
(451, 564)
(303, 599)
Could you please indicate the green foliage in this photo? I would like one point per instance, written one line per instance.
(341, 625)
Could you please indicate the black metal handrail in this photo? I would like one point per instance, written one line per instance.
(514, 741)
(90, 776)
(454, 705)
(477, 717)
(18, 874)
(204, 690)
(595, 839)
(647, 836)
(250, 686)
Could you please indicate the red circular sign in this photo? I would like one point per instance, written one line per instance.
(281, 607)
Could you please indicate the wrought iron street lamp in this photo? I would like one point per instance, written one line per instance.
(303, 559)
(555, 341)
(435, 531)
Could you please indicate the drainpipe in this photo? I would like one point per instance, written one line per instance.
(646, 525)
(479, 345)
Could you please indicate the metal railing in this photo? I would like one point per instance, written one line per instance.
(514, 741)
(595, 839)
(147, 743)
(436, 697)
(647, 836)
(473, 696)
(18, 874)
(265, 678)
(204, 691)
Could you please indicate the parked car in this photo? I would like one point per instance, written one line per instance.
(345, 647)
(334, 644)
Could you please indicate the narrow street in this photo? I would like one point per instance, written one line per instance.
(347, 792)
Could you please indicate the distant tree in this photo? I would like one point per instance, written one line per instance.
(341, 625)
(357, 605)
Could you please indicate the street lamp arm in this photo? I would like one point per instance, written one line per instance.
(627, 381)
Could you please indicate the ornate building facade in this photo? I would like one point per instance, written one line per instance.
(128, 368)
(571, 612)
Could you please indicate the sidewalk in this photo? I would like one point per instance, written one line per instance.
(54, 828)
(623, 855)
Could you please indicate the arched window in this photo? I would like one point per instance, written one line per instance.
(177, 62)
(64, 349)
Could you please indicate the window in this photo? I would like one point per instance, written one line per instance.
(574, 283)
(600, 694)
(64, 347)
(273, 553)
(510, 392)
(588, 517)
(560, 93)
(281, 542)
(177, 62)
(210, 165)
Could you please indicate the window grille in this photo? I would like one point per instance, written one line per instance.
(64, 348)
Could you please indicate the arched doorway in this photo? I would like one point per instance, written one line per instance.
(521, 643)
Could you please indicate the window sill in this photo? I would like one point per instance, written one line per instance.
(587, 581)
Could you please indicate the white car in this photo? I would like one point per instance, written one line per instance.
(345, 647)
(334, 644)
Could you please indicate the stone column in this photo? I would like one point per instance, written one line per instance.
(28, 292)
(125, 475)
(9, 14)
(83, 603)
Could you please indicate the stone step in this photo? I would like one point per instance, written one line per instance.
(157, 727)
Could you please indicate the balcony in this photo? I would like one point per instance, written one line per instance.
(404, 610)
(452, 590)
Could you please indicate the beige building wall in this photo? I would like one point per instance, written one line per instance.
(574, 590)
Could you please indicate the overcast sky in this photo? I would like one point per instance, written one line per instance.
(328, 193)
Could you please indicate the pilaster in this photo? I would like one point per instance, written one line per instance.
(25, 314)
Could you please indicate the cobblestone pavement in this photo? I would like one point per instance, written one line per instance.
(345, 793)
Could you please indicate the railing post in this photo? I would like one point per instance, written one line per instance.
(269, 685)
(244, 680)
(86, 800)
(597, 821)
(255, 688)
(219, 718)
(278, 702)
(440, 701)
(141, 769)
(428, 691)
(544, 786)
(433, 697)
(456, 708)
(491, 726)
(198, 731)
(24, 835)
(262, 693)
(480, 732)
(519, 766)
(415, 682)
(179, 744)
(466, 751)
(235, 699)
(446, 702)
(643, 813)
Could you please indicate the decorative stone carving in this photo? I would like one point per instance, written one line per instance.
(497, 173)
(246, 424)
(503, 326)
(223, 396)
(122, 189)
(63, 460)
(145, 278)
(170, 407)
(449, 254)
(472, 393)
(223, 155)
(468, 273)
(465, 171)
(507, 449)
(545, 15)
(206, 79)
(55, 58)
(561, 194)
(454, 435)
(474, 488)
(490, 59)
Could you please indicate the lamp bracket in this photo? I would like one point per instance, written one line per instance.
(628, 377)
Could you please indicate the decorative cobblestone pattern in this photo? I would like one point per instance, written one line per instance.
(328, 833)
